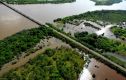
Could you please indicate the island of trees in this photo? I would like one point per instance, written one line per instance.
(36, 1)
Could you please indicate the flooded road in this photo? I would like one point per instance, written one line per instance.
(11, 22)
(98, 71)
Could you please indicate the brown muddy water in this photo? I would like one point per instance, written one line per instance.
(99, 71)
(11, 22)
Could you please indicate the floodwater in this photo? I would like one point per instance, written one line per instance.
(70, 28)
(11, 22)
(107, 32)
(99, 71)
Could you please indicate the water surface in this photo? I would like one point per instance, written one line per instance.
(101, 72)
(11, 22)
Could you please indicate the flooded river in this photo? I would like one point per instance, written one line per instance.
(11, 23)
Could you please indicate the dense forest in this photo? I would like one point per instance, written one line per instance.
(21, 42)
(119, 32)
(106, 2)
(36, 1)
(111, 16)
(53, 64)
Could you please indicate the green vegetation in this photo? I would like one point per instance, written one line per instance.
(101, 43)
(21, 42)
(53, 64)
(35, 1)
(111, 16)
(106, 2)
(119, 32)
